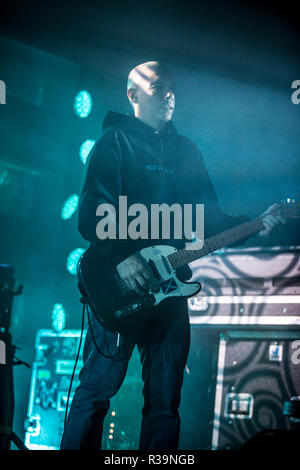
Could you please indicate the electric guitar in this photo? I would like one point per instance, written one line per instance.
(122, 310)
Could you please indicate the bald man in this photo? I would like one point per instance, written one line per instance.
(143, 157)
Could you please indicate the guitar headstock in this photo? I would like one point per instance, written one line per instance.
(289, 209)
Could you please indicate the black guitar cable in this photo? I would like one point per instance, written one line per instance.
(76, 360)
(85, 305)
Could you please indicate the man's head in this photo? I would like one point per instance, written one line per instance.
(150, 90)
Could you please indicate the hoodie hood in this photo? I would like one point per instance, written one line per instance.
(129, 123)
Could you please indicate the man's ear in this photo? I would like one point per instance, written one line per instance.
(133, 95)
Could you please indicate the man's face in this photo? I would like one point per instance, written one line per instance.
(153, 93)
(156, 97)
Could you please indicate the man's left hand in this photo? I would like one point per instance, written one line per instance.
(271, 219)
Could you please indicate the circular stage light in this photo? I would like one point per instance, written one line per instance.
(69, 207)
(83, 104)
(58, 318)
(85, 149)
(73, 259)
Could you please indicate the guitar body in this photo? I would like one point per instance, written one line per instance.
(116, 307)
(121, 310)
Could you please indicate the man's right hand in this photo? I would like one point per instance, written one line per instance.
(134, 273)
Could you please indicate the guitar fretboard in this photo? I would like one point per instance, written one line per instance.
(182, 257)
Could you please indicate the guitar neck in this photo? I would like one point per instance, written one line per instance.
(182, 257)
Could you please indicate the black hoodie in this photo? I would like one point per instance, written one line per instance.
(147, 166)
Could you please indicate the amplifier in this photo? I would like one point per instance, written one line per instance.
(50, 381)
(249, 287)
(258, 371)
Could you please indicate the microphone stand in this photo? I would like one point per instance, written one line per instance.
(7, 360)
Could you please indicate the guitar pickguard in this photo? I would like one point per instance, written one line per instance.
(168, 284)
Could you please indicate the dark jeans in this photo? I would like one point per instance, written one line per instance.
(163, 350)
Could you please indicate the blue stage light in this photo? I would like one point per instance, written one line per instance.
(58, 318)
(85, 149)
(69, 207)
(83, 104)
(73, 259)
